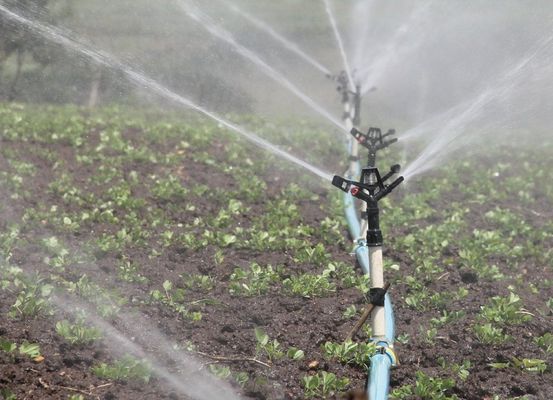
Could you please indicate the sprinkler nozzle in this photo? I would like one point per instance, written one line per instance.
(393, 170)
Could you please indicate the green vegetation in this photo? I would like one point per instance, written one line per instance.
(323, 384)
(126, 368)
(77, 333)
(147, 214)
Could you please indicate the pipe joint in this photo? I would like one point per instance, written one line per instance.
(386, 349)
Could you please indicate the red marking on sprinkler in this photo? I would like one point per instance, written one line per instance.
(354, 190)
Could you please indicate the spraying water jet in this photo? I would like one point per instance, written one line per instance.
(66, 40)
(216, 30)
(289, 45)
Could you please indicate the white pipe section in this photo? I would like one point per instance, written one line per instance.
(378, 316)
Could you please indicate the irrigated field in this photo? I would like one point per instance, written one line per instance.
(171, 232)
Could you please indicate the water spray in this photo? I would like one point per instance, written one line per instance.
(68, 41)
(209, 24)
(286, 43)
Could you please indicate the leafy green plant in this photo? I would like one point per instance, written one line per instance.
(7, 394)
(526, 364)
(32, 299)
(489, 334)
(295, 354)
(124, 369)
(29, 349)
(350, 312)
(505, 310)
(271, 348)
(77, 333)
(545, 342)
(7, 346)
(310, 285)
(426, 387)
(204, 283)
(447, 317)
(253, 282)
(224, 372)
(323, 384)
(130, 272)
(349, 352)
(461, 370)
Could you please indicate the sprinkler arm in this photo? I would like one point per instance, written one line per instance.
(367, 192)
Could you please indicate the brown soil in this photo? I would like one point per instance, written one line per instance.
(226, 328)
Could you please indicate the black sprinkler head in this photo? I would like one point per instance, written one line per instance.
(370, 189)
(373, 140)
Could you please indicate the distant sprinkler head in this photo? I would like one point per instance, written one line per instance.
(373, 141)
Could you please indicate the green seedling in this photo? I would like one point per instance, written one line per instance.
(310, 285)
(505, 310)
(31, 350)
(253, 282)
(489, 334)
(7, 394)
(426, 387)
(125, 369)
(271, 348)
(295, 354)
(545, 342)
(32, 299)
(78, 333)
(323, 384)
(349, 352)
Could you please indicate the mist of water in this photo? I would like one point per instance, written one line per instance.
(360, 17)
(288, 44)
(66, 40)
(190, 380)
(452, 124)
(212, 27)
(381, 59)
(339, 41)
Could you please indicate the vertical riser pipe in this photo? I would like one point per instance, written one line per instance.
(378, 319)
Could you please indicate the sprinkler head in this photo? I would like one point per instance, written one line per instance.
(373, 140)
(343, 83)
(370, 189)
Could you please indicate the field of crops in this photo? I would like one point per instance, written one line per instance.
(167, 230)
